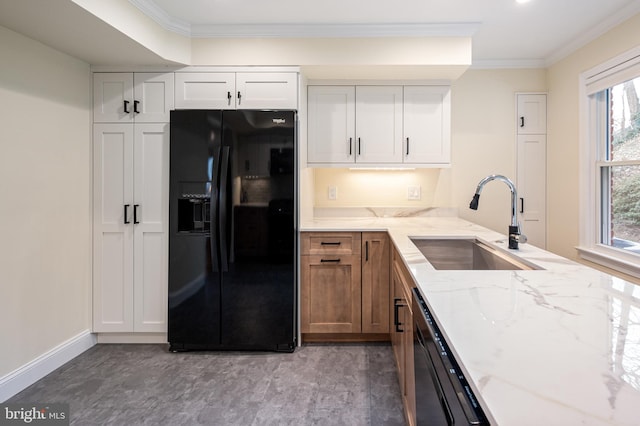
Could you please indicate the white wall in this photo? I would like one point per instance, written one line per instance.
(563, 132)
(45, 203)
(483, 128)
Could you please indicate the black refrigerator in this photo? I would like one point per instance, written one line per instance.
(232, 230)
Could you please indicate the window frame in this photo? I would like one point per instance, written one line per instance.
(593, 104)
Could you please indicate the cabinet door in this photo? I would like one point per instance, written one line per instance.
(532, 114)
(331, 124)
(113, 97)
(150, 223)
(427, 125)
(205, 90)
(532, 159)
(153, 97)
(113, 228)
(267, 90)
(398, 304)
(378, 124)
(375, 282)
(330, 294)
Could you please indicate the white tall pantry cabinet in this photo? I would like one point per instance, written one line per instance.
(531, 165)
(131, 179)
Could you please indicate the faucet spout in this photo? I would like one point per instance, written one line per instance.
(514, 228)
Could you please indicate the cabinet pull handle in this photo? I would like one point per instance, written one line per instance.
(407, 146)
(126, 214)
(396, 306)
(135, 213)
(228, 98)
(521, 121)
(521, 205)
(350, 144)
(126, 107)
(329, 260)
(135, 107)
(330, 243)
(359, 146)
(239, 98)
(366, 251)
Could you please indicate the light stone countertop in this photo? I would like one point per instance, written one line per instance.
(558, 346)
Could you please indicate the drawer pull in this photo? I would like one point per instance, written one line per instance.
(330, 243)
(329, 260)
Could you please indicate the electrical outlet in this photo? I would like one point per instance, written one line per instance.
(332, 193)
(413, 193)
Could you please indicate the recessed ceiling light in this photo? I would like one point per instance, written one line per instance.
(522, 1)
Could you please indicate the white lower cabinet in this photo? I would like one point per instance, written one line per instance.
(130, 171)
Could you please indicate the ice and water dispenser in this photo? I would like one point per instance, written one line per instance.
(194, 207)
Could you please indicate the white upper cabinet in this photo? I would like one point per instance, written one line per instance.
(379, 126)
(532, 114)
(132, 97)
(427, 125)
(218, 90)
(267, 90)
(331, 124)
(205, 90)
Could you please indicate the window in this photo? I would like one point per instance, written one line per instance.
(610, 224)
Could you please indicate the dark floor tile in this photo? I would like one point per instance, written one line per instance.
(318, 384)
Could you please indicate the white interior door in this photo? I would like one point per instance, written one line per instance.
(113, 228)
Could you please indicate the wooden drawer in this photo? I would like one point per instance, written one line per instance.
(336, 243)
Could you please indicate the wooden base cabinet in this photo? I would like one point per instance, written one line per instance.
(344, 283)
(402, 335)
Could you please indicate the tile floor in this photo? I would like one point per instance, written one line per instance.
(344, 384)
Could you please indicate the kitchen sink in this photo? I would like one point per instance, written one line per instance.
(468, 254)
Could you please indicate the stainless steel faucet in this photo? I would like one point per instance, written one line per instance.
(514, 229)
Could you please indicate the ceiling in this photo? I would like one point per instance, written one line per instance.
(504, 32)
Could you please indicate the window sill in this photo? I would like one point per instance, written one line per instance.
(612, 258)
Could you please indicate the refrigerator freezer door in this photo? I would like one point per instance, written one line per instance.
(258, 291)
(194, 274)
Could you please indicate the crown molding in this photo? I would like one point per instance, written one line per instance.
(284, 30)
(488, 64)
(466, 29)
(162, 18)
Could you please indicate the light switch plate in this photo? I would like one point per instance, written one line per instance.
(413, 193)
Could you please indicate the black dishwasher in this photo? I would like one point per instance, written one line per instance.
(443, 395)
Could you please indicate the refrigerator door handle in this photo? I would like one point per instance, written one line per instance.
(213, 211)
(222, 218)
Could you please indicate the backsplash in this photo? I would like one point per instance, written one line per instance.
(382, 188)
(384, 212)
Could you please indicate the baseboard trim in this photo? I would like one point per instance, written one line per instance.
(134, 338)
(28, 374)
